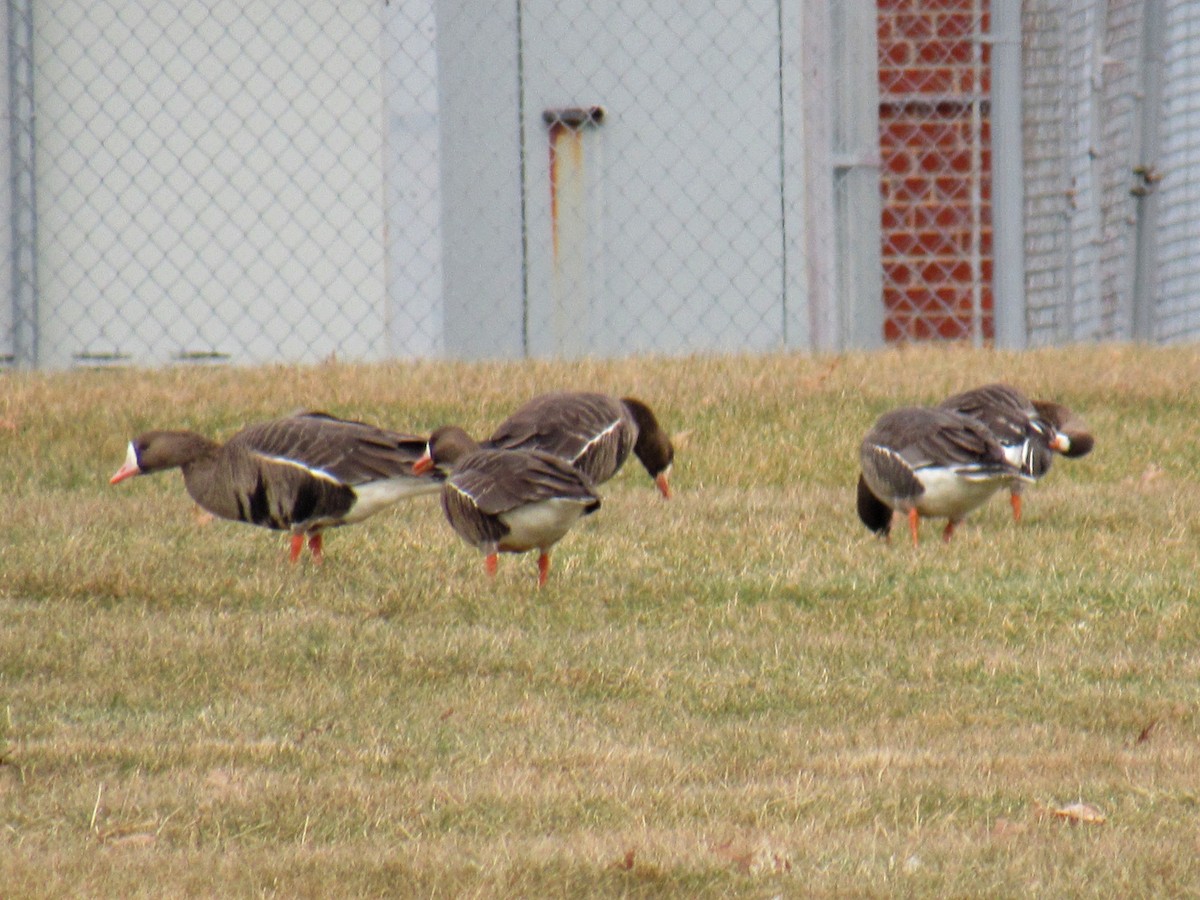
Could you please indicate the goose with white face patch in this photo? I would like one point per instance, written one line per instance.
(302, 474)
(929, 462)
(507, 501)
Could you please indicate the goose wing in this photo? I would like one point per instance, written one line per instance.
(1007, 412)
(591, 431)
(332, 449)
(498, 481)
(907, 440)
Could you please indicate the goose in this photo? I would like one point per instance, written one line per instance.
(507, 501)
(928, 462)
(593, 432)
(303, 473)
(1029, 431)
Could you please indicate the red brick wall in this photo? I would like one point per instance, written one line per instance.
(928, 79)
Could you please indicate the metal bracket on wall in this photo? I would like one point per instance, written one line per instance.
(574, 117)
(1148, 178)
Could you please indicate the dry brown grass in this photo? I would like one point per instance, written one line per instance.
(736, 693)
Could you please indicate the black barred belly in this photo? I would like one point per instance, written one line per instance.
(296, 504)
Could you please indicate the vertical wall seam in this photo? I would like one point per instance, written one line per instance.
(522, 155)
(23, 183)
(1008, 179)
(783, 220)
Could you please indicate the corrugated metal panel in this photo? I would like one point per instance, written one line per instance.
(1178, 305)
(1047, 203)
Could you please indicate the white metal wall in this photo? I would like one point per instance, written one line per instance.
(292, 181)
(674, 240)
(1178, 297)
(682, 216)
(249, 182)
(209, 181)
(7, 309)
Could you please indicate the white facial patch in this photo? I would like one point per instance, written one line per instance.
(131, 460)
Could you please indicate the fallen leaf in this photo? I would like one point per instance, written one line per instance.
(740, 857)
(1005, 828)
(754, 859)
(626, 861)
(142, 834)
(1080, 814)
(1144, 734)
(135, 839)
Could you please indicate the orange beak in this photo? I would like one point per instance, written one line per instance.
(423, 465)
(1061, 443)
(126, 471)
(664, 486)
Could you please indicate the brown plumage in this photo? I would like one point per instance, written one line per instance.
(507, 500)
(928, 462)
(593, 432)
(303, 473)
(1029, 431)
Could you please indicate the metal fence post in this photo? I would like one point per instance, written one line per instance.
(1146, 174)
(1008, 178)
(857, 175)
(23, 183)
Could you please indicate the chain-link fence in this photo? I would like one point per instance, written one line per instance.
(1110, 168)
(368, 179)
(244, 182)
(934, 70)
(208, 181)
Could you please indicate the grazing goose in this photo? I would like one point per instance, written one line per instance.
(593, 432)
(1029, 431)
(507, 500)
(303, 473)
(928, 462)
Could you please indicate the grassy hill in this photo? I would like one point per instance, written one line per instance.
(735, 693)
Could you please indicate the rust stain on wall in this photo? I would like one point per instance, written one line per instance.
(567, 181)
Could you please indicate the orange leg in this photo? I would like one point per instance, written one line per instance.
(297, 547)
(950, 523)
(316, 546)
(491, 562)
(914, 520)
(1015, 499)
(543, 568)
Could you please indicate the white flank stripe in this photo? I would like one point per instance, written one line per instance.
(295, 463)
(467, 494)
(597, 439)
